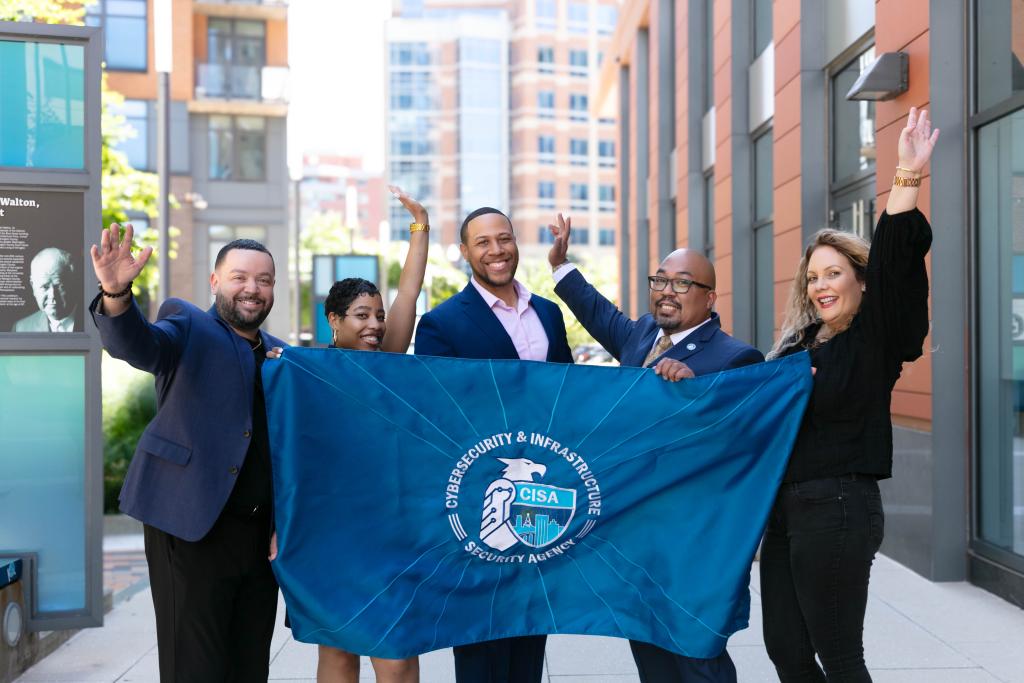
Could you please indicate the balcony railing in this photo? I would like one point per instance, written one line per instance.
(242, 82)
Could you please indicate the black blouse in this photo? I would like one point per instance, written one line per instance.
(847, 426)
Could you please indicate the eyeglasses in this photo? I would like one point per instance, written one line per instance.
(679, 286)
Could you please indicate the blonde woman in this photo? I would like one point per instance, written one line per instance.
(861, 312)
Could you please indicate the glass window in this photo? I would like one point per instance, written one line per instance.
(606, 198)
(578, 62)
(607, 17)
(546, 148)
(578, 190)
(546, 104)
(546, 189)
(606, 237)
(218, 237)
(709, 54)
(136, 145)
(547, 14)
(579, 236)
(409, 54)
(606, 153)
(764, 263)
(763, 190)
(546, 59)
(709, 217)
(237, 147)
(762, 25)
(853, 124)
(578, 149)
(42, 106)
(579, 17)
(578, 107)
(544, 235)
(480, 50)
(42, 457)
(764, 287)
(1000, 338)
(479, 87)
(124, 32)
(1000, 51)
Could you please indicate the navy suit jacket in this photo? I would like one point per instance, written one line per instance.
(187, 459)
(707, 349)
(465, 327)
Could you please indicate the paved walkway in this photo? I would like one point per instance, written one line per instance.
(916, 632)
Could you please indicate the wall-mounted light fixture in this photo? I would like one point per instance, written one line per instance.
(887, 77)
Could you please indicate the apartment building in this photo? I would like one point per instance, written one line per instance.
(337, 184)
(748, 125)
(229, 104)
(489, 105)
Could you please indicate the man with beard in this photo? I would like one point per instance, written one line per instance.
(495, 316)
(681, 337)
(200, 478)
(52, 277)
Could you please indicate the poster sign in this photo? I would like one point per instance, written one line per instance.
(41, 261)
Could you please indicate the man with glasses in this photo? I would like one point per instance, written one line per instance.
(681, 337)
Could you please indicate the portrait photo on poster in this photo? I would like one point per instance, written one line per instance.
(41, 261)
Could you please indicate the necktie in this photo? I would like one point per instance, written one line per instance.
(663, 345)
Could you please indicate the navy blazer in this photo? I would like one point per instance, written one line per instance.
(465, 327)
(188, 458)
(706, 349)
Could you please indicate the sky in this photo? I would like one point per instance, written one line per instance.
(336, 53)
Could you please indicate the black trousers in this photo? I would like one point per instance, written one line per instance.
(816, 558)
(657, 665)
(215, 601)
(508, 660)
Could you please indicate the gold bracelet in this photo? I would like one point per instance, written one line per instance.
(419, 227)
(908, 170)
(900, 181)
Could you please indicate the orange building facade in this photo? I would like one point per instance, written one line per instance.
(738, 137)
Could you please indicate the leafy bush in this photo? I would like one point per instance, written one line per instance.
(129, 403)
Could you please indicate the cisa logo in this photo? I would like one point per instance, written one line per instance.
(522, 497)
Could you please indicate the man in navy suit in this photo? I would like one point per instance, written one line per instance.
(495, 316)
(200, 478)
(680, 337)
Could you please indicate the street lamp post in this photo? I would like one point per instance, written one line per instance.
(162, 25)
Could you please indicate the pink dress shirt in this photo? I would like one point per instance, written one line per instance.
(522, 323)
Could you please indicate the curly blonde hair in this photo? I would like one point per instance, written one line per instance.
(800, 312)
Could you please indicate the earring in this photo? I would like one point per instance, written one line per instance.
(863, 288)
(334, 338)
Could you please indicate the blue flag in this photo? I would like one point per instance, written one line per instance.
(428, 502)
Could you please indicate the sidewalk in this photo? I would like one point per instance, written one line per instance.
(916, 631)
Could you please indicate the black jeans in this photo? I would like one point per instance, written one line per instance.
(816, 558)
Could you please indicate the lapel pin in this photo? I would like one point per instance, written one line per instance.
(691, 346)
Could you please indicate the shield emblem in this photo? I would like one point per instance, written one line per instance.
(540, 513)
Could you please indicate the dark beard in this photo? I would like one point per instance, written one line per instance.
(229, 313)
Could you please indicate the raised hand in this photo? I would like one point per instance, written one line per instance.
(419, 214)
(113, 261)
(917, 140)
(557, 254)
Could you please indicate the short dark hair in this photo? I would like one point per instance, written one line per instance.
(344, 292)
(251, 245)
(482, 211)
